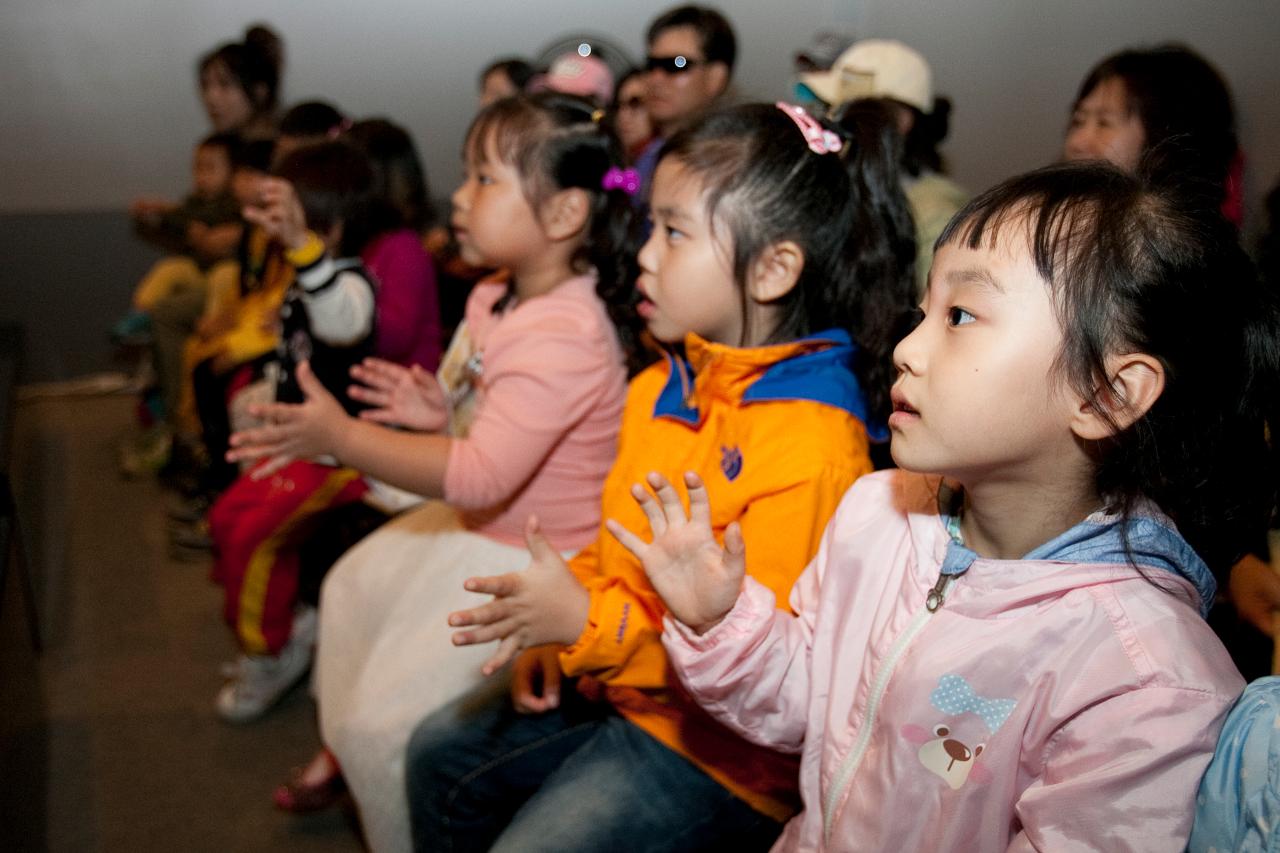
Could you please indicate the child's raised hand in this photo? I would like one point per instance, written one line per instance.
(293, 431)
(543, 604)
(279, 212)
(698, 580)
(402, 396)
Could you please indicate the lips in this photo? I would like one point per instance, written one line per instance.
(903, 412)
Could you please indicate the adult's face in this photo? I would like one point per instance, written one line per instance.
(680, 92)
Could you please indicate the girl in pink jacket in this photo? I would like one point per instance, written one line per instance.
(1000, 646)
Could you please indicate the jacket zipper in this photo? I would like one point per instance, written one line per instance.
(848, 767)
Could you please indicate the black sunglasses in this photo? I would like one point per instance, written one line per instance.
(672, 64)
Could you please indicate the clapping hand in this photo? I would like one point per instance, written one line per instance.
(543, 604)
(292, 430)
(698, 580)
(400, 396)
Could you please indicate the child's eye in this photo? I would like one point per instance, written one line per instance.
(673, 233)
(958, 316)
(483, 180)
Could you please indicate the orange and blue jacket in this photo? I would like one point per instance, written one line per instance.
(777, 434)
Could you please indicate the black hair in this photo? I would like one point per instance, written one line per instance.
(845, 211)
(623, 79)
(399, 197)
(920, 148)
(515, 69)
(715, 34)
(255, 63)
(1132, 270)
(1186, 113)
(253, 154)
(311, 119)
(555, 142)
(228, 142)
(332, 179)
(1269, 241)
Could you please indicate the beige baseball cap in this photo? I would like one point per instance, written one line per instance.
(875, 68)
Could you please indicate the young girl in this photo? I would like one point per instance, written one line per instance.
(532, 391)
(1001, 645)
(777, 242)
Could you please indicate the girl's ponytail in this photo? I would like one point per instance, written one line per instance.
(880, 248)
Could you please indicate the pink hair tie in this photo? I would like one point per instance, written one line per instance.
(340, 128)
(627, 180)
(821, 140)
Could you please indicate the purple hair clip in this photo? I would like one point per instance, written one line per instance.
(821, 140)
(627, 180)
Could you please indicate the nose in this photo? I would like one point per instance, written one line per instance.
(458, 198)
(908, 355)
(1080, 143)
(647, 258)
(956, 750)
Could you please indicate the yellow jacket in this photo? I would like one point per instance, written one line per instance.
(777, 435)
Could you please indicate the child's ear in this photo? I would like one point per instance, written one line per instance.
(1136, 382)
(565, 214)
(775, 271)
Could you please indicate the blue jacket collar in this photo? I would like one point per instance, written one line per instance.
(1152, 539)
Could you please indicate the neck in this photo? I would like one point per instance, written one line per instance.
(1007, 519)
(541, 275)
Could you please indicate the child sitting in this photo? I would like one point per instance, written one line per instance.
(780, 256)
(326, 327)
(1002, 645)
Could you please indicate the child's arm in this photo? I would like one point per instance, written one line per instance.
(1128, 767)
(340, 302)
(742, 659)
(539, 384)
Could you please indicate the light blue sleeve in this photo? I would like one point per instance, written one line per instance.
(1238, 806)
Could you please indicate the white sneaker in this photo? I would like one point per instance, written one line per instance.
(260, 682)
(306, 622)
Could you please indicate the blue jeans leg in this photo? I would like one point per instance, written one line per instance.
(472, 764)
(622, 790)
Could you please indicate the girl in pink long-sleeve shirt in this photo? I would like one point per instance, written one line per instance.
(1001, 646)
(522, 419)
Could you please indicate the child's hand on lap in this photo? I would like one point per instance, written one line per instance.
(698, 580)
(543, 604)
(293, 431)
(535, 680)
(401, 396)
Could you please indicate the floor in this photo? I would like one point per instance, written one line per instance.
(108, 740)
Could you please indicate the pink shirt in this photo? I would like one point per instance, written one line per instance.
(550, 398)
(408, 327)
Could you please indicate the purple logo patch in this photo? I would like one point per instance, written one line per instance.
(731, 462)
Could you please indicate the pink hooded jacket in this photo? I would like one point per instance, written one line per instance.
(1057, 702)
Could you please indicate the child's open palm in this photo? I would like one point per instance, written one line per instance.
(400, 396)
(698, 580)
(292, 431)
(543, 604)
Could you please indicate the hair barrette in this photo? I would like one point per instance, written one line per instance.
(627, 180)
(340, 128)
(597, 116)
(820, 139)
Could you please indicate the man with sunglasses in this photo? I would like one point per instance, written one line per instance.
(691, 50)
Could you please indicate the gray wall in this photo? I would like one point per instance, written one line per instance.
(99, 101)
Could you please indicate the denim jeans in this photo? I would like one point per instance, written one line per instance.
(579, 778)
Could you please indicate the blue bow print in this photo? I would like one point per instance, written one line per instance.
(954, 696)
